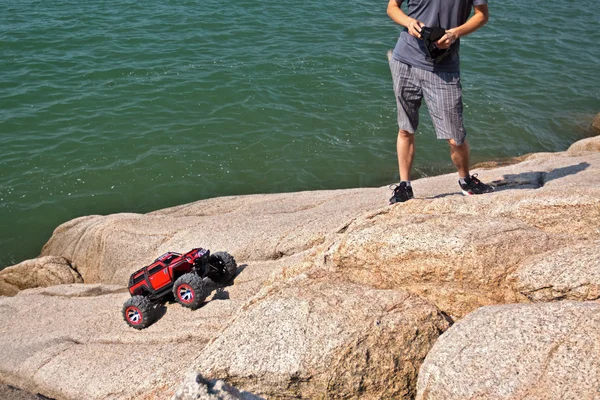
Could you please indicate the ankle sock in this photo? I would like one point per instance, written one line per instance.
(463, 181)
(406, 183)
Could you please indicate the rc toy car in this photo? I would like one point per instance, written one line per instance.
(188, 276)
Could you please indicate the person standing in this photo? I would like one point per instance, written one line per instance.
(431, 69)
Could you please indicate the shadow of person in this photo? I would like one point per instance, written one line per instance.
(524, 180)
(565, 171)
(527, 180)
(536, 179)
(441, 196)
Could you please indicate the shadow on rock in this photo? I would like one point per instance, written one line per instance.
(565, 171)
(240, 269)
(536, 179)
(441, 196)
(221, 294)
(159, 309)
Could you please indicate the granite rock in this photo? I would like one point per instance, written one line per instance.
(596, 123)
(567, 273)
(71, 342)
(39, 272)
(317, 337)
(87, 351)
(464, 252)
(591, 144)
(540, 351)
(107, 249)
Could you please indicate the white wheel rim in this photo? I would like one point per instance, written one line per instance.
(134, 315)
(185, 293)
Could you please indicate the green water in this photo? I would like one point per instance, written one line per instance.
(133, 106)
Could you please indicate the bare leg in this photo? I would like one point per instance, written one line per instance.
(405, 146)
(460, 157)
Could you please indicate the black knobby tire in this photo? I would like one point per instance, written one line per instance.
(225, 264)
(138, 312)
(190, 290)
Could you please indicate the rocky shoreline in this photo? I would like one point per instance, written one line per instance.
(337, 295)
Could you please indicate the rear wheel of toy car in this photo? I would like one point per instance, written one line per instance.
(190, 290)
(226, 265)
(138, 312)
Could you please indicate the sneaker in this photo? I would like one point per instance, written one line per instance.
(473, 185)
(402, 192)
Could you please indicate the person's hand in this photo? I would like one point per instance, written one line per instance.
(414, 28)
(447, 40)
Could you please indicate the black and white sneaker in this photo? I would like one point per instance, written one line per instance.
(473, 185)
(402, 192)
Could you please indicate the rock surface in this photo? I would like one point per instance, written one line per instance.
(326, 297)
(87, 344)
(87, 351)
(568, 273)
(585, 145)
(12, 393)
(317, 337)
(39, 272)
(596, 123)
(107, 249)
(544, 351)
(467, 252)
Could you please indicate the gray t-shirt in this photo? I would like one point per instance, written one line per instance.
(433, 13)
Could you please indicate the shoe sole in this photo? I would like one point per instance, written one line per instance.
(396, 202)
(464, 192)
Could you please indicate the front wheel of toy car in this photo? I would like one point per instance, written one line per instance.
(138, 312)
(225, 264)
(190, 290)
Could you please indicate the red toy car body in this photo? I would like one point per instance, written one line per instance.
(162, 272)
(188, 276)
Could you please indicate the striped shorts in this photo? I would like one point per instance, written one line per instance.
(443, 95)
